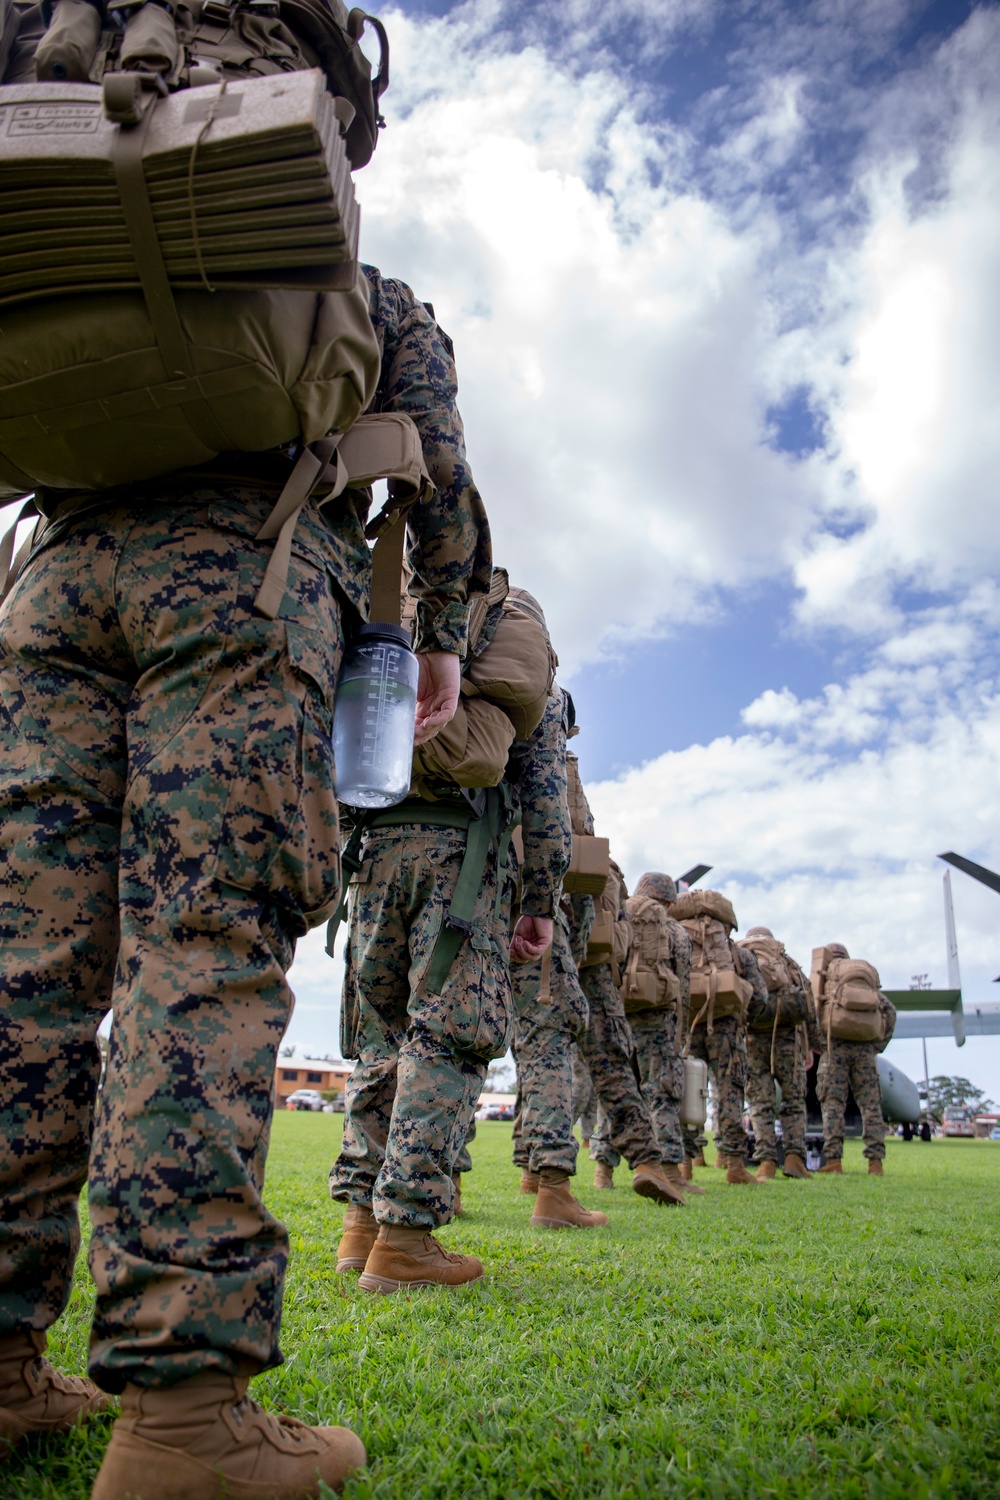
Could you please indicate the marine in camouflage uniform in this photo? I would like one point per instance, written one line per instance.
(851, 1066)
(546, 1023)
(168, 828)
(789, 1046)
(586, 1106)
(724, 1049)
(604, 1043)
(422, 1051)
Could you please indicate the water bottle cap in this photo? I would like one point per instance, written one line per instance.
(383, 631)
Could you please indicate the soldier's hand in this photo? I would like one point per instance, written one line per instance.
(532, 936)
(437, 692)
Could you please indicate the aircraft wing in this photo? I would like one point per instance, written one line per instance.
(981, 1020)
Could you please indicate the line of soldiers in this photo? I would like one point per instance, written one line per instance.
(594, 1011)
(168, 829)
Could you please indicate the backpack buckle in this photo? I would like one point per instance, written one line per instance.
(127, 96)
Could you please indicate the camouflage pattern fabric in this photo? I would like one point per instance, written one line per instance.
(850, 1065)
(790, 1073)
(606, 1048)
(661, 1068)
(463, 1161)
(422, 1058)
(536, 773)
(657, 1046)
(544, 1033)
(585, 1103)
(724, 1049)
(167, 829)
(449, 545)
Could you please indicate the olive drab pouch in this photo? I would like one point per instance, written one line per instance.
(847, 998)
(590, 860)
(510, 661)
(717, 990)
(178, 234)
(649, 982)
(611, 935)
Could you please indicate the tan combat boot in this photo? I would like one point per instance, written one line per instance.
(721, 1161)
(736, 1171)
(833, 1165)
(686, 1171)
(699, 1160)
(556, 1208)
(403, 1257)
(604, 1176)
(529, 1181)
(35, 1398)
(456, 1202)
(360, 1230)
(674, 1172)
(875, 1167)
(204, 1439)
(651, 1180)
(794, 1166)
(766, 1170)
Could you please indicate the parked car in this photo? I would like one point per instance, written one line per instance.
(305, 1099)
(995, 1133)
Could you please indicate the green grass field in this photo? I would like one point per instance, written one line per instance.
(837, 1338)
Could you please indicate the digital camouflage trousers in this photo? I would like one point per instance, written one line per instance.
(168, 827)
(661, 1068)
(545, 1075)
(790, 1074)
(724, 1049)
(422, 1058)
(850, 1065)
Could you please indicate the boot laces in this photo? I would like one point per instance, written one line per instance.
(435, 1244)
(282, 1431)
(68, 1385)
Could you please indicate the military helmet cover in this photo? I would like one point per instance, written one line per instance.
(837, 950)
(658, 886)
(759, 932)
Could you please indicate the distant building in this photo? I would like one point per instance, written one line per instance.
(297, 1069)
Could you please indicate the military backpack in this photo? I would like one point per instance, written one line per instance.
(717, 990)
(847, 998)
(649, 983)
(786, 985)
(178, 234)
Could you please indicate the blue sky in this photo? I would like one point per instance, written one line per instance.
(723, 284)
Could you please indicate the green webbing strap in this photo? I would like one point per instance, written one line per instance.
(457, 925)
(350, 863)
(503, 847)
(412, 810)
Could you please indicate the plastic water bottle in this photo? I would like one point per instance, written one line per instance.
(373, 717)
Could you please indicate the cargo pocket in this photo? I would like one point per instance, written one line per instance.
(475, 1010)
(280, 835)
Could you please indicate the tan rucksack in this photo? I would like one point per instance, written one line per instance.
(785, 981)
(611, 934)
(716, 989)
(847, 997)
(514, 666)
(507, 678)
(178, 236)
(649, 983)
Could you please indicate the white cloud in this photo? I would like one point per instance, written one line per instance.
(622, 326)
(823, 820)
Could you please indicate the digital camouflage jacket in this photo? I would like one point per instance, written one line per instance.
(449, 547)
(537, 773)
